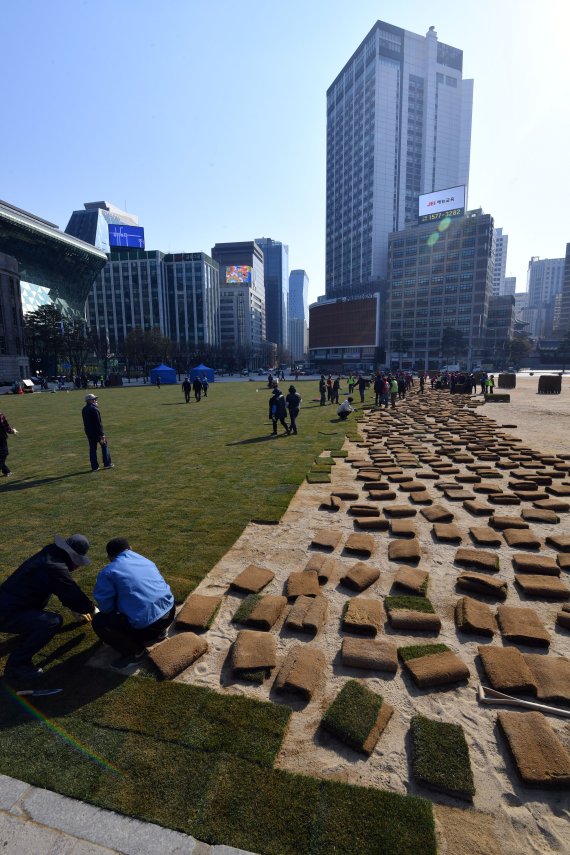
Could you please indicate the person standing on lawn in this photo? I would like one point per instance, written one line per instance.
(322, 390)
(278, 410)
(197, 386)
(5, 429)
(187, 388)
(136, 605)
(205, 385)
(93, 427)
(293, 401)
(25, 594)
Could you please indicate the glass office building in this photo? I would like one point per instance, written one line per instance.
(439, 278)
(276, 279)
(398, 125)
(179, 293)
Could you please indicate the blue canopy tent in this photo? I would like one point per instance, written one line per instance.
(199, 372)
(166, 374)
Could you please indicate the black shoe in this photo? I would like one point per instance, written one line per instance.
(22, 672)
(110, 466)
(95, 469)
(125, 661)
(155, 639)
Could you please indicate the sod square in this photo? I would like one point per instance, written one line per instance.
(433, 665)
(159, 782)
(58, 756)
(412, 613)
(237, 725)
(177, 653)
(262, 612)
(198, 612)
(252, 579)
(440, 757)
(360, 576)
(387, 822)
(357, 716)
(363, 616)
(257, 809)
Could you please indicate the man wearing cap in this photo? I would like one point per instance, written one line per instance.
(93, 426)
(136, 604)
(24, 596)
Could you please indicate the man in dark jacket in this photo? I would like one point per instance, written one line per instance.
(25, 594)
(278, 410)
(197, 386)
(187, 388)
(5, 429)
(293, 401)
(93, 427)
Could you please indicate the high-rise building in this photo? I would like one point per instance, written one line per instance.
(544, 281)
(177, 293)
(398, 125)
(510, 287)
(276, 279)
(500, 266)
(439, 281)
(93, 226)
(242, 298)
(14, 363)
(298, 315)
(563, 320)
(299, 295)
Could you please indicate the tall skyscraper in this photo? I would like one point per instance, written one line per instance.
(500, 266)
(298, 314)
(398, 125)
(544, 282)
(299, 295)
(276, 277)
(242, 297)
(509, 287)
(563, 319)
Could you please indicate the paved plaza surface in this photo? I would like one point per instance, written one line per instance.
(38, 822)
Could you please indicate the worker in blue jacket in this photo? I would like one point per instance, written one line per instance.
(136, 606)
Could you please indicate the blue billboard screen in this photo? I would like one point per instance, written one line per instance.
(131, 236)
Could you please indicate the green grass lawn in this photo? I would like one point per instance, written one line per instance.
(188, 479)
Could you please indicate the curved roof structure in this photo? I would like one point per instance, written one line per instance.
(46, 256)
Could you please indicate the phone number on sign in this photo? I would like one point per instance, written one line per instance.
(456, 212)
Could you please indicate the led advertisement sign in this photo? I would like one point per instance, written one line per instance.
(129, 236)
(441, 203)
(238, 274)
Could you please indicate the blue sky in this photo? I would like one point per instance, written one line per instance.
(207, 119)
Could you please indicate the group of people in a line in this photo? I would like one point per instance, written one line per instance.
(280, 405)
(132, 605)
(199, 386)
(463, 381)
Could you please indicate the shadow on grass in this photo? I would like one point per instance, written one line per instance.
(81, 685)
(13, 486)
(257, 439)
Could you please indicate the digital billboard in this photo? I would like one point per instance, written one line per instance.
(130, 236)
(238, 274)
(441, 203)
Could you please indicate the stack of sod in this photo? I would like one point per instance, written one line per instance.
(259, 611)
(441, 757)
(410, 612)
(433, 665)
(357, 716)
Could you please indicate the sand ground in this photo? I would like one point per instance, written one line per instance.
(505, 817)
